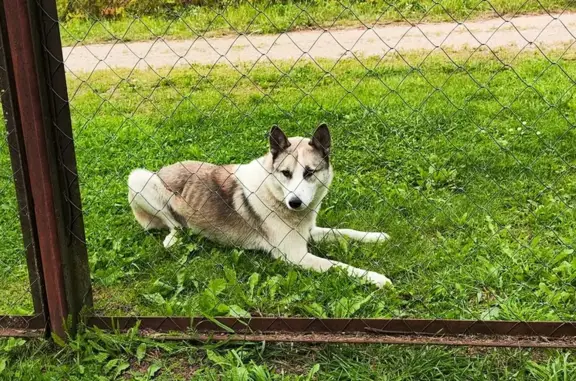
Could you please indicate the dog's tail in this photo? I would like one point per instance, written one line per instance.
(138, 180)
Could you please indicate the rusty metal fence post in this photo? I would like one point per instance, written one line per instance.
(39, 95)
(20, 170)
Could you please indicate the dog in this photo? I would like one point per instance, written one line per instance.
(269, 204)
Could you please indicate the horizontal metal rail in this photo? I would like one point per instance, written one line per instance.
(22, 322)
(402, 331)
(336, 338)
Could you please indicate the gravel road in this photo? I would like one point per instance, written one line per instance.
(542, 31)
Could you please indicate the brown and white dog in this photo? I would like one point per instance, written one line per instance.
(269, 204)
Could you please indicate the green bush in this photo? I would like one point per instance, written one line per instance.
(68, 9)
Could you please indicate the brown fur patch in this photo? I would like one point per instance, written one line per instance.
(212, 201)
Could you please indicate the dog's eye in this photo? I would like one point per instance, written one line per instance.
(287, 174)
(308, 172)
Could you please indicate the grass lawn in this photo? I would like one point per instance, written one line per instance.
(474, 181)
(97, 356)
(477, 197)
(261, 16)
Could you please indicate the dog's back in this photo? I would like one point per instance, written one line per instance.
(203, 197)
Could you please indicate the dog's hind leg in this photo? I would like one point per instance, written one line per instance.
(150, 202)
(319, 234)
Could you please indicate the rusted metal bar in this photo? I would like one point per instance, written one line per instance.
(24, 333)
(335, 338)
(22, 322)
(39, 89)
(35, 123)
(68, 203)
(20, 170)
(375, 327)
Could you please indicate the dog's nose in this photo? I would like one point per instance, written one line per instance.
(295, 203)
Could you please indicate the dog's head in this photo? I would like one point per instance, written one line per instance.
(300, 167)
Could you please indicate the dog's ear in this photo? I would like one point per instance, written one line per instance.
(278, 141)
(321, 139)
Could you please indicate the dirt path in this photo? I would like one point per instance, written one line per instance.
(543, 31)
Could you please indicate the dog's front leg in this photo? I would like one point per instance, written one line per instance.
(319, 234)
(299, 256)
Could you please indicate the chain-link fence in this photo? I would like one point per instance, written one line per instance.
(455, 138)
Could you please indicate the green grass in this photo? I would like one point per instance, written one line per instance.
(478, 198)
(98, 356)
(275, 17)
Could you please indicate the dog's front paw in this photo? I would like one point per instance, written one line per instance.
(377, 279)
(375, 237)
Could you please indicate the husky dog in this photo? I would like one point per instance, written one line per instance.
(269, 204)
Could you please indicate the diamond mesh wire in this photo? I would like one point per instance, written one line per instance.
(454, 138)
